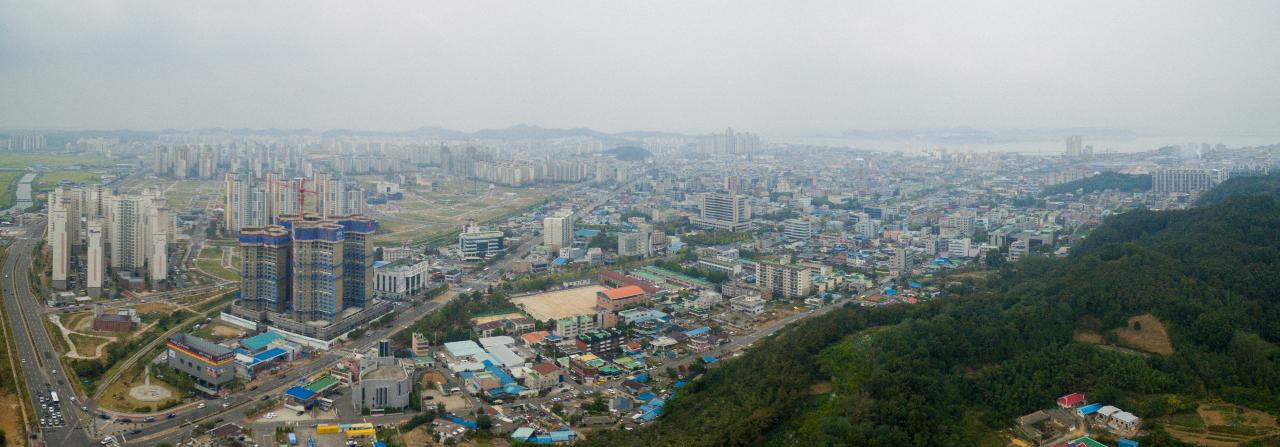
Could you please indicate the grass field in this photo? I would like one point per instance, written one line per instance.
(27, 160)
(1220, 425)
(210, 261)
(424, 213)
(1146, 333)
(51, 179)
(87, 346)
(8, 188)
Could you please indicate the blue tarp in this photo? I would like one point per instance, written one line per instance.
(560, 261)
(462, 422)
(890, 292)
(708, 359)
(1089, 409)
(505, 378)
(642, 378)
(647, 396)
(678, 384)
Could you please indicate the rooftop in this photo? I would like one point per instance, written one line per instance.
(384, 372)
(623, 292)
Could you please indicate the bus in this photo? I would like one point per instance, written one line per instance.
(53, 396)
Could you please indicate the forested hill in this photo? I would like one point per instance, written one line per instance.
(1107, 180)
(1268, 185)
(956, 371)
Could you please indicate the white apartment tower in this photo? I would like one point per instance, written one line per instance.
(557, 231)
(94, 261)
(59, 246)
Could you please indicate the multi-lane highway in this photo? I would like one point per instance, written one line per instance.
(39, 361)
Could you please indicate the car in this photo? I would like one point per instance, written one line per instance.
(200, 406)
(104, 416)
(54, 371)
(170, 416)
(149, 419)
(266, 397)
(225, 405)
(126, 421)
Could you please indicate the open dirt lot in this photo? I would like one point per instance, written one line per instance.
(10, 417)
(1151, 337)
(486, 319)
(561, 303)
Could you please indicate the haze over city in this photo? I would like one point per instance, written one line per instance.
(785, 69)
(635, 224)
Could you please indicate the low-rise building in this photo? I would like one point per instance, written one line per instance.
(384, 384)
(209, 364)
(609, 302)
(748, 304)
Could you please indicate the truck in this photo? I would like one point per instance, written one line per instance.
(53, 396)
(293, 439)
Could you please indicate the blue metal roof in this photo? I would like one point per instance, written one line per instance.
(300, 393)
(260, 341)
(1089, 409)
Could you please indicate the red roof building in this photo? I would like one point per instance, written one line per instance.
(1071, 400)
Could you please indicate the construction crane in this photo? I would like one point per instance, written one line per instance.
(302, 190)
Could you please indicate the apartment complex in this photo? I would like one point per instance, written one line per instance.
(310, 267)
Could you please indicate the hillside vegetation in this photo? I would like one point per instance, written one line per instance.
(1105, 181)
(956, 371)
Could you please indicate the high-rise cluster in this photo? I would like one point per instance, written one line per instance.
(255, 202)
(130, 233)
(308, 266)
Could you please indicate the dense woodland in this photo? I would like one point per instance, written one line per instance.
(956, 371)
(1105, 181)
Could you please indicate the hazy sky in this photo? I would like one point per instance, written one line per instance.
(773, 67)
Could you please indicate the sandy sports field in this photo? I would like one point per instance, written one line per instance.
(560, 303)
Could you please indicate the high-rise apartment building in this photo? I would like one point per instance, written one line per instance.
(95, 267)
(729, 212)
(557, 232)
(1074, 146)
(265, 281)
(1183, 180)
(59, 246)
(317, 269)
(357, 259)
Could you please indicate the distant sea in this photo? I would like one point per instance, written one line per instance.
(1139, 144)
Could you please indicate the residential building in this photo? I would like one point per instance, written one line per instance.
(95, 263)
(557, 231)
(357, 259)
(799, 229)
(784, 279)
(317, 269)
(747, 304)
(1183, 180)
(569, 327)
(634, 244)
(265, 256)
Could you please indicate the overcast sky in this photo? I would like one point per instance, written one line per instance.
(773, 67)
